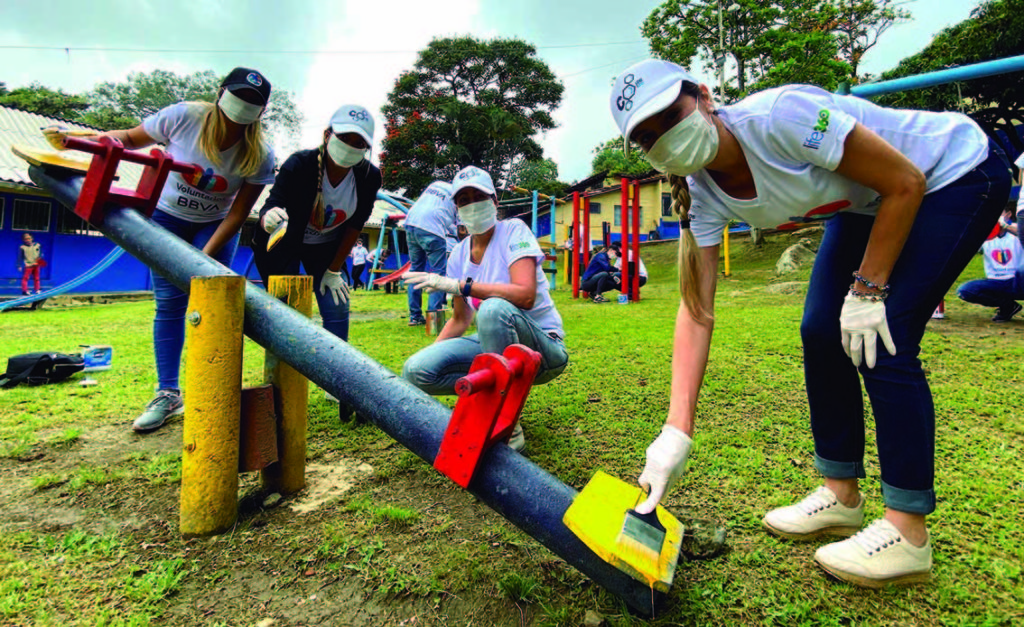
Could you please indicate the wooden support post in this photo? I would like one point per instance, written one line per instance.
(288, 475)
(213, 370)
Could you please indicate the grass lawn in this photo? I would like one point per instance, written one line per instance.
(89, 511)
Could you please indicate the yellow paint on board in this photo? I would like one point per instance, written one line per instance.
(596, 516)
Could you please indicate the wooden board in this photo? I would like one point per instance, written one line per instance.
(50, 159)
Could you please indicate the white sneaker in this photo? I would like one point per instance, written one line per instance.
(820, 513)
(517, 441)
(876, 557)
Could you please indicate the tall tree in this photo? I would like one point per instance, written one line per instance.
(994, 30)
(858, 25)
(609, 157)
(467, 101)
(537, 174)
(54, 103)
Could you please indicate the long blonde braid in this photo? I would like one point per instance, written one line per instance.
(691, 264)
(317, 218)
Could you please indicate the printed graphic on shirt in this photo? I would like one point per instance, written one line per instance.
(813, 141)
(1002, 256)
(206, 180)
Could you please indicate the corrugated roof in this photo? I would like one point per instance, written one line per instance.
(22, 127)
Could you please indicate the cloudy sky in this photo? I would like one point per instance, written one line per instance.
(341, 51)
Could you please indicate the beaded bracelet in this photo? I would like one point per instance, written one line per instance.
(868, 284)
(874, 297)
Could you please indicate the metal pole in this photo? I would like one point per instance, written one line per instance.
(534, 225)
(525, 494)
(586, 232)
(930, 79)
(635, 290)
(554, 240)
(721, 55)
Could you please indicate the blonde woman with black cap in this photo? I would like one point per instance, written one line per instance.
(325, 194)
(207, 208)
(909, 197)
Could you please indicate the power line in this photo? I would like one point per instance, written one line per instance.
(69, 49)
(563, 77)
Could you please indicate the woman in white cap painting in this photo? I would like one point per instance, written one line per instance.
(321, 199)
(205, 208)
(909, 196)
(496, 274)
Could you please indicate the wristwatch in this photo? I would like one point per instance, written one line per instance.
(467, 288)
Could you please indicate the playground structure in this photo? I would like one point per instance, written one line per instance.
(581, 241)
(523, 493)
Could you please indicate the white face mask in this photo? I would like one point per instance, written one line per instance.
(686, 147)
(344, 155)
(478, 217)
(238, 110)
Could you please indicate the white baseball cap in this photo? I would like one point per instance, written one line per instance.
(643, 89)
(353, 119)
(472, 176)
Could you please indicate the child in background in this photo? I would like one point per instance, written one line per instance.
(30, 254)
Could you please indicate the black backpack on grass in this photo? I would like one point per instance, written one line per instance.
(40, 368)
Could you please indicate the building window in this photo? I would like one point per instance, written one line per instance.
(70, 224)
(595, 207)
(666, 205)
(31, 215)
(618, 215)
(245, 235)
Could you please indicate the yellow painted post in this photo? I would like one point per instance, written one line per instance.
(291, 389)
(213, 372)
(725, 248)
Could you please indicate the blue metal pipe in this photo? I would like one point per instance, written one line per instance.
(533, 224)
(930, 79)
(525, 494)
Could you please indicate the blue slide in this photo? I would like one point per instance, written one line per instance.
(92, 273)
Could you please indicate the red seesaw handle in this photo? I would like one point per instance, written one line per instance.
(96, 148)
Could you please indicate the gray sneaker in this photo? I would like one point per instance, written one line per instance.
(166, 404)
(517, 441)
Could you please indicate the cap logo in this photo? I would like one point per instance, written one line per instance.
(254, 79)
(465, 174)
(359, 115)
(625, 100)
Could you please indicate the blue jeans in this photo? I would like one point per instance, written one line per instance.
(992, 293)
(499, 323)
(427, 253)
(950, 227)
(171, 303)
(315, 259)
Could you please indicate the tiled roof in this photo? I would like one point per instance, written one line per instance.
(22, 127)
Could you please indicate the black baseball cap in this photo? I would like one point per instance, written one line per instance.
(247, 78)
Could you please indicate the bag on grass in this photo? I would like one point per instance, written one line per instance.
(40, 368)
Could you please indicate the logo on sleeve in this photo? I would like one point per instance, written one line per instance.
(518, 246)
(625, 100)
(813, 141)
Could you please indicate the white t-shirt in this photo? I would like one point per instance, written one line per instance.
(339, 206)
(512, 241)
(792, 138)
(434, 211)
(1020, 199)
(1004, 257)
(359, 254)
(206, 198)
(643, 268)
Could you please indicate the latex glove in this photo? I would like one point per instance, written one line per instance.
(862, 323)
(432, 282)
(273, 219)
(666, 462)
(334, 283)
(1003, 222)
(55, 135)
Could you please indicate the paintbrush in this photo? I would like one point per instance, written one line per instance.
(642, 534)
(277, 235)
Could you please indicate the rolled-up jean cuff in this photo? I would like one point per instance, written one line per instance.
(839, 470)
(910, 501)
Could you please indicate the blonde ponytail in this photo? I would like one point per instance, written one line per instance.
(317, 217)
(252, 152)
(690, 262)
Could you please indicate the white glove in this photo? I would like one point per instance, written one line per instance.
(432, 282)
(273, 219)
(862, 322)
(1003, 222)
(666, 462)
(336, 285)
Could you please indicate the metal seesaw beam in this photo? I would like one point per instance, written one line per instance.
(525, 494)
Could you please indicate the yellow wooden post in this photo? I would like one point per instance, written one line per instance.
(725, 249)
(213, 372)
(288, 475)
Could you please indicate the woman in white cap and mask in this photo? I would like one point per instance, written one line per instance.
(496, 274)
(909, 197)
(322, 198)
(206, 208)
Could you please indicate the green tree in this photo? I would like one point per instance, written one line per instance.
(37, 98)
(126, 104)
(609, 157)
(995, 30)
(537, 174)
(467, 101)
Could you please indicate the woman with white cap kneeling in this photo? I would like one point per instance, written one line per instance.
(496, 274)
